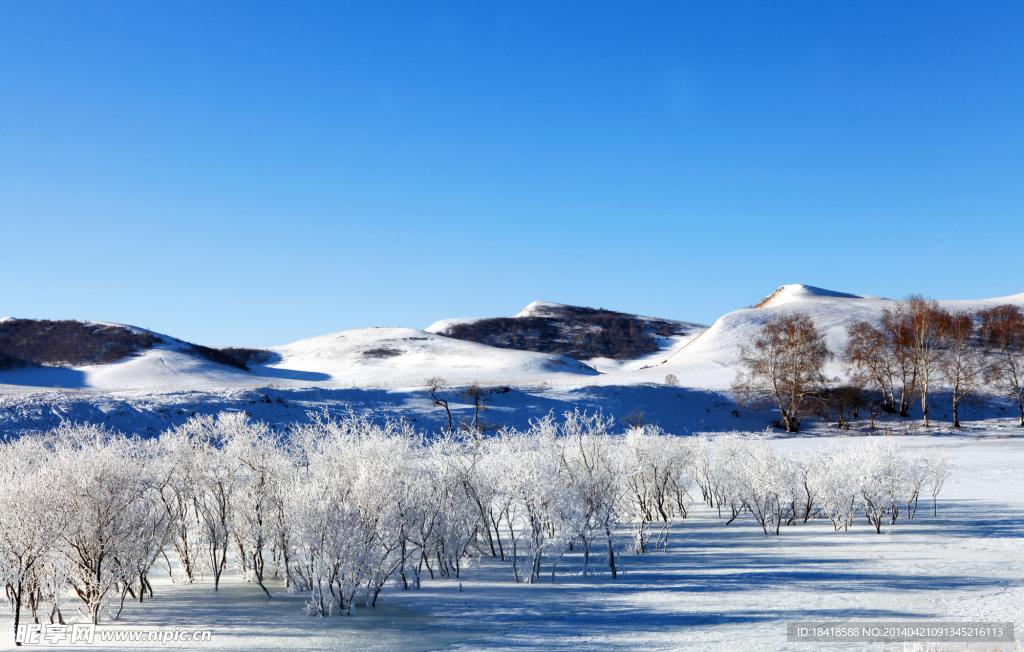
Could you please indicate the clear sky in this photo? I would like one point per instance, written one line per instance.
(254, 173)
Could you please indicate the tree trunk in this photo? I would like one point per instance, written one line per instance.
(611, 553)
(17, 611)
(924, 404)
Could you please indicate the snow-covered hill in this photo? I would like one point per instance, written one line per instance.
(170, 363)
(698, 357)
(367, 357)
(710, 359)
(409, 356)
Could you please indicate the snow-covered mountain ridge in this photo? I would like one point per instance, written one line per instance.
(695, 356)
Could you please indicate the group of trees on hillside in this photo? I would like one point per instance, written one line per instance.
(32, 342)
(340, 508)
(44, 342)
(917, 348)
(579, 333)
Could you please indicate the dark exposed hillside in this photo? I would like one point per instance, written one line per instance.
(217, 356)
(25, 342)
(247, 356)
(67, 342)
(579, 333)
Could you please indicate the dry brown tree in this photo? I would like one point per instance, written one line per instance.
(783, 366)
(898, 337)
(1002, 333)
(902, 356)
(433, 385)
(870, 356)
(963, 363)
(928, 325)
(843, 401)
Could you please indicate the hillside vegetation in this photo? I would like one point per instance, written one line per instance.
(68, 342)
(72, 343)
(578, 333)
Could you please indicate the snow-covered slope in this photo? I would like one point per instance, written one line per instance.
(371, 356)
(166, 366)
(442, 325)
(710, 359)
(535, 309)
(541, 309)
(406, 355)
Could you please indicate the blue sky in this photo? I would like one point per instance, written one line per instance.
(255, 173)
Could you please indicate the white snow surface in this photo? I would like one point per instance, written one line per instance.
(441, 326)
(535, 309)
(364, 357)
(410, 356)
(718, 587)
(540, 309)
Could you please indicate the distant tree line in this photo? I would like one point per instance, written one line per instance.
(579, 333)
(917, 349)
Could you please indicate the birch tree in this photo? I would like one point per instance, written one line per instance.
(783, 366)
(962, 365)
(928, 325)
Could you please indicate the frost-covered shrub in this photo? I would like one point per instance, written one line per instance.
(762, 481)
(655, 474)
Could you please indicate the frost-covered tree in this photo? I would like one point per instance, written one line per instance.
(177, 480)
(257, 499)
(834, 479)
(937, 471)
(594, 477)
(655, 471)
(341, 507)
(763, 481)
(885, 482)
(539, 509)
(33, 517)
(137, 557)
(350, 507)
(217, 482)
(104, 479)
